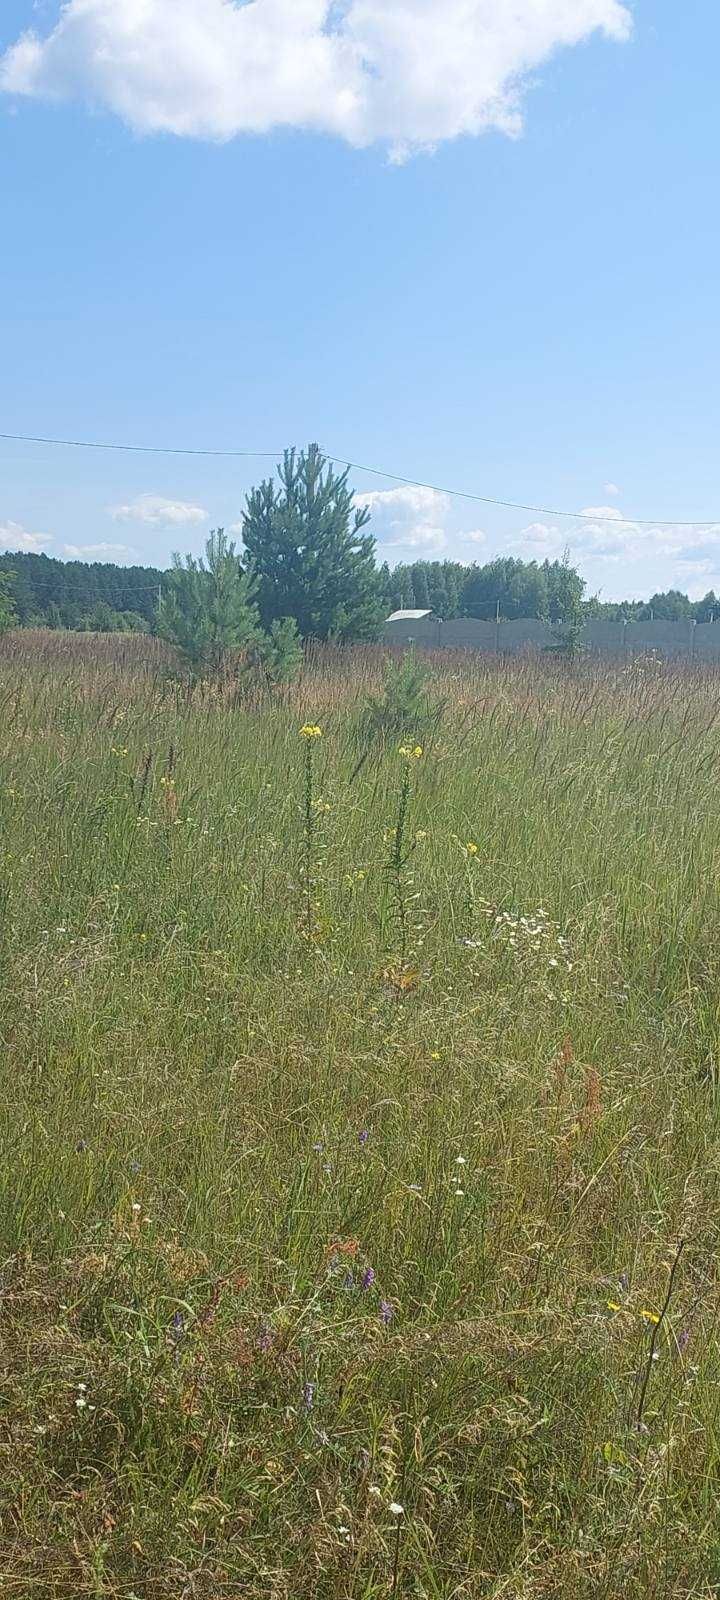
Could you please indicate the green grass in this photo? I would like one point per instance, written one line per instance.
(227, 1094)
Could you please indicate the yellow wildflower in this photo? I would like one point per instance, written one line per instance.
(471, 848)
(310, 730)
(410, 752)
(614, 1305)
(650, 1316)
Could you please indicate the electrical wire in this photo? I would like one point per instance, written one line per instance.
(376, 472)
(140, 449)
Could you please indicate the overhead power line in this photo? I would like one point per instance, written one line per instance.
(518, 505)
(375, 472)
(137, 449)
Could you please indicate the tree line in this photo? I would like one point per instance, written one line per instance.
(509, 588)
(47, 593)
(306, 568)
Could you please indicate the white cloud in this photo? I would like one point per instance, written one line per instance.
(422, 541)
(603, 513)
(611, 488)
(410, 499)
(15, 537)
(410, 73)
(408, 519)
(157, 512)
(412, 521)
(672, 555)
(79, 552)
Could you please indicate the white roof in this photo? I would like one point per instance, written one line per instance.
(409, 616)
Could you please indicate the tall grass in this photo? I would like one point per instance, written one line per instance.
(301, 1224)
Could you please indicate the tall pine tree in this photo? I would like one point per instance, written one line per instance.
(308, 553)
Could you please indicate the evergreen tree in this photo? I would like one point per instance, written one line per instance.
(278, 653)
(306, 547)
(207, 606)
(386, 587)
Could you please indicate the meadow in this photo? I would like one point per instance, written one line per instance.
(360, 1109)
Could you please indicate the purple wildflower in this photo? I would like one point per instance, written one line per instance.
(368, 1278)
(683, 1340)
(624, 1282)
(349, 1280)
(363, 1136)
(81, 1147)
(386, 1312)
(308, 1395)
(265, 1340)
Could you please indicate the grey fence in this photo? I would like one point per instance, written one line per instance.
(698, 641)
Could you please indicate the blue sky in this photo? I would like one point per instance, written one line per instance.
(475, 244)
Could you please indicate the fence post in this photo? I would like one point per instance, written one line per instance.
(497, 629)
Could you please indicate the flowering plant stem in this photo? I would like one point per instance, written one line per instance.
(309, 828)
(397, 863)
(656, 1329)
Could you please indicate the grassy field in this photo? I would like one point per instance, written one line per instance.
(360, 1197)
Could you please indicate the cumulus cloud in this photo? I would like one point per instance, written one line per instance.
(611, 488)
(408, 520)
(14, 537)
(608, 537)
(157, 512)
(103, 552)
(409, 73)
(411, 522)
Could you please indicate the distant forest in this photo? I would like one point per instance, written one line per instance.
(96, 595)
(552, 590)
(101, 597)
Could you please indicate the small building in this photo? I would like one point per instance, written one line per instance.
(408, 616)
(410, 627)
